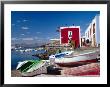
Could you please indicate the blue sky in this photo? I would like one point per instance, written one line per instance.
(40, 26)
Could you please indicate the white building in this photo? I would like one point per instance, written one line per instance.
(93, 32)
(53, 40)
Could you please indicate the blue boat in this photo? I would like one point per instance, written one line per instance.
(61, 55)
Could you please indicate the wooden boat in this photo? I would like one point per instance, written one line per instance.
(61, 55)
(78, 59)
(32, 67)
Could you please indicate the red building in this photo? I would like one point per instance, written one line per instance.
(71, 32)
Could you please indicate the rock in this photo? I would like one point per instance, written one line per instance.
(42, 56)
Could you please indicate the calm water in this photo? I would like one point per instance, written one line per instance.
(21, 56)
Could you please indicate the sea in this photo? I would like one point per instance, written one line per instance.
(17, 56)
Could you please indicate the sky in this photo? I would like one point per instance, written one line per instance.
(40, 26)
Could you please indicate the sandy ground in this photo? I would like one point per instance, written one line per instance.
(16, 73)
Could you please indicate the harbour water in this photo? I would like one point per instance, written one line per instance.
(17, 56)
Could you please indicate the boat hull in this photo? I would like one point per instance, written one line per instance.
(70, 64)
(35, 69)
(38, 71)
(78, 60)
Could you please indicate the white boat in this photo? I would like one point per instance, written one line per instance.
(22, 51)
(78, 59)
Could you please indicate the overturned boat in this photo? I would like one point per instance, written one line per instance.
(32, 67)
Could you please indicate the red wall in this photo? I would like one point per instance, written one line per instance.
(75, 35)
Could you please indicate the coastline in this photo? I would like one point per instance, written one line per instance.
(78, 69)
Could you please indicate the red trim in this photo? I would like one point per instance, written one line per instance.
(77, 63)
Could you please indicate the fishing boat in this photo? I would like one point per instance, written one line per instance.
(77, 59)
(32, 67)
(62, 54)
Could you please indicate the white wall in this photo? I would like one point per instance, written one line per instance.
(88, 29)
(97, 30)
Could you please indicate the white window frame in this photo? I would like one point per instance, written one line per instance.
(69, 34)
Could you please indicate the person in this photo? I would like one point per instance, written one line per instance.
(59, 50)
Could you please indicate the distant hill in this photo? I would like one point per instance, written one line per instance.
(25, 45)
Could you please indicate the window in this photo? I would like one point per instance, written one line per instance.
(93, 28)
(90, 31)
(69, 33)
(88, 34)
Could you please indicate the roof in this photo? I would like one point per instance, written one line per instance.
(70, 27)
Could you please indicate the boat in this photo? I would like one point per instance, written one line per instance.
(62, 54)
(78, 59)
(32, 67)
